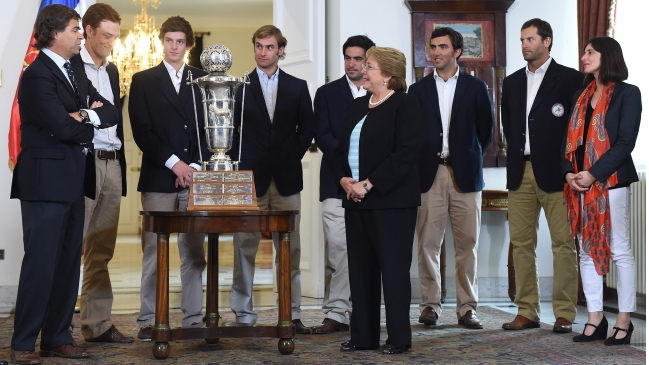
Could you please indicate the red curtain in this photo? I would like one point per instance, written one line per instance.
(592, 20)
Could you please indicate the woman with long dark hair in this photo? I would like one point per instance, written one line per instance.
(599, 170)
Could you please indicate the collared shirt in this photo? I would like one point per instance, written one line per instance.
(445, 95)
(356, 92)
(534, 80)
(176, 79)
(269, 89)
(105, 139)
(176, 76)
(60, 63)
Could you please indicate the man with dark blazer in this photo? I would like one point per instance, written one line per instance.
(330, 105)
(278, 128)
(459, 125)
(54, 169)
(164, 128)
(536, 102)
(101, 29)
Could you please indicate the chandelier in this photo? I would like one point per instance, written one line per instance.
(141, 49)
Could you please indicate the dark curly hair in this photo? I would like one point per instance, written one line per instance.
(52, 19)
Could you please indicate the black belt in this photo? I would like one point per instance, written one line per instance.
(445, 161)
(107, 155)
(527, 158)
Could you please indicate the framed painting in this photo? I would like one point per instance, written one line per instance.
(477, 35)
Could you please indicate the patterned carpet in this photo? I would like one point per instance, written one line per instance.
(446, 343)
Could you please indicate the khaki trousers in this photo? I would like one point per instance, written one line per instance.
(192, 263)
(525, 205)
(444, 199)
(100, 234)
(336, 301)
(245, 251)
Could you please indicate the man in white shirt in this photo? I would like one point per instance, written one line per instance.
(330, 106)
(535, 109)
(459, 126)
(164, 128)
(101, 30)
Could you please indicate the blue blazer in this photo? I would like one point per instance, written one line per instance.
(274, 149)
(470, 131)
(52, 165)
(622, 124)
(330, 105)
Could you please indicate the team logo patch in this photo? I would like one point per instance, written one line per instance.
(558, 110)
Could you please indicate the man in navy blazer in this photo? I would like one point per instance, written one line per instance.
(459, 126)
(161, 108)
(536, 102)
(278, 128)
(330, 105)
(60, 112)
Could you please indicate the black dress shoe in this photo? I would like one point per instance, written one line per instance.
(612, 341)
(300, 328)
(390, 349)
(329, 326)
(600, 332)
(347, 346)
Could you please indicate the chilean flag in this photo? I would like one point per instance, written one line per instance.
(14, 124)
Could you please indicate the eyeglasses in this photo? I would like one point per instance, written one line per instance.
(367, 67)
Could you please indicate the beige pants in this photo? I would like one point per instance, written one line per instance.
(444, 199)
(336, 301)
(100, 234)
(525, 205)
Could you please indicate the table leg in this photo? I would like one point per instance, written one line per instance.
(161, 332)
(285, 345)
(212, 291)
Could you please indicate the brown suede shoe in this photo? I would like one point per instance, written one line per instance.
(562, 325)
(145, 333)
(24, 357)
(66, 351)
(520, 323)
(470, 320)
(111, 335)
(428, 317)
(329, 326)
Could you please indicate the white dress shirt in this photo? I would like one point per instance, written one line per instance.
(356, 92)
(105, 139)
(534, 80)
(176, 79)
(445, 95)
(269, 89)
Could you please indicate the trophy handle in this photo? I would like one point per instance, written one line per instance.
(198, 133)
(246, 80)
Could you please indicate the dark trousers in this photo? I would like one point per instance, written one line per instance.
(49, 276)
(379, 247)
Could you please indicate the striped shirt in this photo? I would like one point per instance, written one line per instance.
(354, 141)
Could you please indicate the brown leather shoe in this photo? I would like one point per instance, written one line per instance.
(562, 325)
(470, 320)
(300, 328)
(66, 351)
(24, 357)
(428, 317)
(111, 335)
(329, 326)
(145, 333)
(520, 323)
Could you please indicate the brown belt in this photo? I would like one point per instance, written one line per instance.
(107, 155)
(445, 161)
(527, 158)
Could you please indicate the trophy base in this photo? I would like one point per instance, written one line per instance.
(222, 190)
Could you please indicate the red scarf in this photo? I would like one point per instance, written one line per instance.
(594, 219)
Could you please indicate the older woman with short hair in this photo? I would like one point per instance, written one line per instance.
(377, 162)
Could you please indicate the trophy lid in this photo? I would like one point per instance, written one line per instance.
(216, 58)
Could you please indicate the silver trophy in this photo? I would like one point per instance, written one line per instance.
(218, 91)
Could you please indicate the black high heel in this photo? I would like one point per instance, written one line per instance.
(348, 346)
(611, 341)
(600, 332)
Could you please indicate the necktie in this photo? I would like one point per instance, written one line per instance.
(68, 68)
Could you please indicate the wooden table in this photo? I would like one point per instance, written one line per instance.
(213, 223)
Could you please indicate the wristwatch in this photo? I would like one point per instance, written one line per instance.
(84, 116)
(365, 186)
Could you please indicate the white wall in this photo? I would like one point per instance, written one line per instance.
(16, 21)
